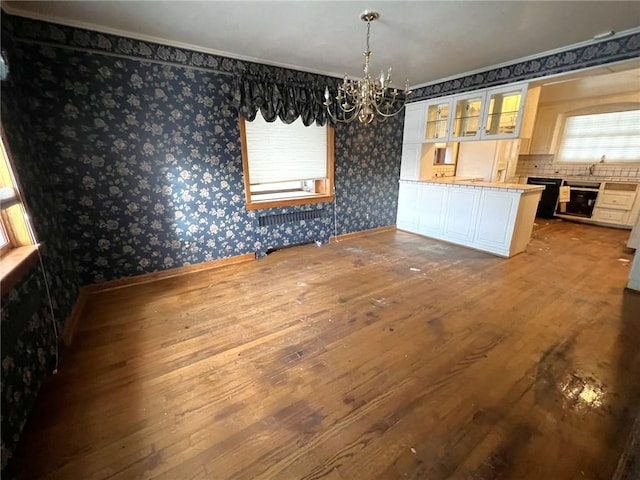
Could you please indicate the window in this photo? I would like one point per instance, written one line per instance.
(611, 137)
(286, 164)
(17, 248)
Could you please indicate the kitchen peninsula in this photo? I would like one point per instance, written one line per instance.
(492, 217)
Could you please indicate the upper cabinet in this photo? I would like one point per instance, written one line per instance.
(466, 121)
(504, 112)
(414, 117)
(494, 113)
(437, 120)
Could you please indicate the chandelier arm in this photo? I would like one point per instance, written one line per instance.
(348, 110)
(344, 118)
(391, 114)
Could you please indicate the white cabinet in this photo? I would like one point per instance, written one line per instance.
(495, 113)
(462, 207)
(431, 210)
(529, 119)
(496, 219)
(616, 204)
(466, 120)
(492, 219)
(408, 201)
(610, 216)
(410, 164)
(414, 122)
(437, 121)
(417, 161)
(504, 112)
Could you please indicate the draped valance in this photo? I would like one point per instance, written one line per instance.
(281, 93)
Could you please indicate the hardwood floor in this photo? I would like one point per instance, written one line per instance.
(390, 356)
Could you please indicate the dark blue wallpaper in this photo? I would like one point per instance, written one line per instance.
(28, 350)
(145, 162)
(28, 341)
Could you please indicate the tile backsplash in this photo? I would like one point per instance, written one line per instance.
(444, 170)
(543, 166)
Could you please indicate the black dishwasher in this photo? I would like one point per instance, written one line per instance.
(549, 199)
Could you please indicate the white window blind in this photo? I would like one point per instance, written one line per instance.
(278, 152)
(615, 135)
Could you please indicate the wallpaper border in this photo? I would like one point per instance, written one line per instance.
(25, 29)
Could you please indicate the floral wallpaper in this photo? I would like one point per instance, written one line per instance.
(144, 159)
(28, 350)
(367, 174)
(28, 342)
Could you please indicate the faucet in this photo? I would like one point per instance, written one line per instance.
(592, 169)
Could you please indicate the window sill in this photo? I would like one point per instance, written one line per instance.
(287, 202)
(15, 264)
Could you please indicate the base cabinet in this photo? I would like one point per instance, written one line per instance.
(617, 204)
(431, 211)
(493, 220)
(496, 219)
(462, 209)
(409, 195)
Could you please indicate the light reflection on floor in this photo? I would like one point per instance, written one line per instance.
(582, 392)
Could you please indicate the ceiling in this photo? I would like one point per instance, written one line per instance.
(423, 41)
(599, 82)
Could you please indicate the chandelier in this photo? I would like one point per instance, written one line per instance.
(365, 98)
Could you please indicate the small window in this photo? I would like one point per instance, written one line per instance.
(286, 164)
(17, 248)
(611, 137)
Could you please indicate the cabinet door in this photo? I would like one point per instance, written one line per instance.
(503, 113)
(414, 117)
(466, 121)
(543, 132)
(408, 201)
(437, 120)
(432, 210)
(410, 164)
(496, 219)
(462, 208)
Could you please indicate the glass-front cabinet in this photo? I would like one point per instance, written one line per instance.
(494, 113)
(466, 121)
(437, 121)
(504, 110)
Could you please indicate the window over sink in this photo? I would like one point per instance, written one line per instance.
(601, 137)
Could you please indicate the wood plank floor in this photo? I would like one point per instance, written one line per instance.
(389, 356)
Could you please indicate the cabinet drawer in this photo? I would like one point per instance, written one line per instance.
(617, 200)
(609, 215)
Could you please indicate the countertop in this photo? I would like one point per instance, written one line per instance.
(467, 182)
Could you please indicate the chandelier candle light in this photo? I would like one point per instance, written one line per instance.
(365, 98)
